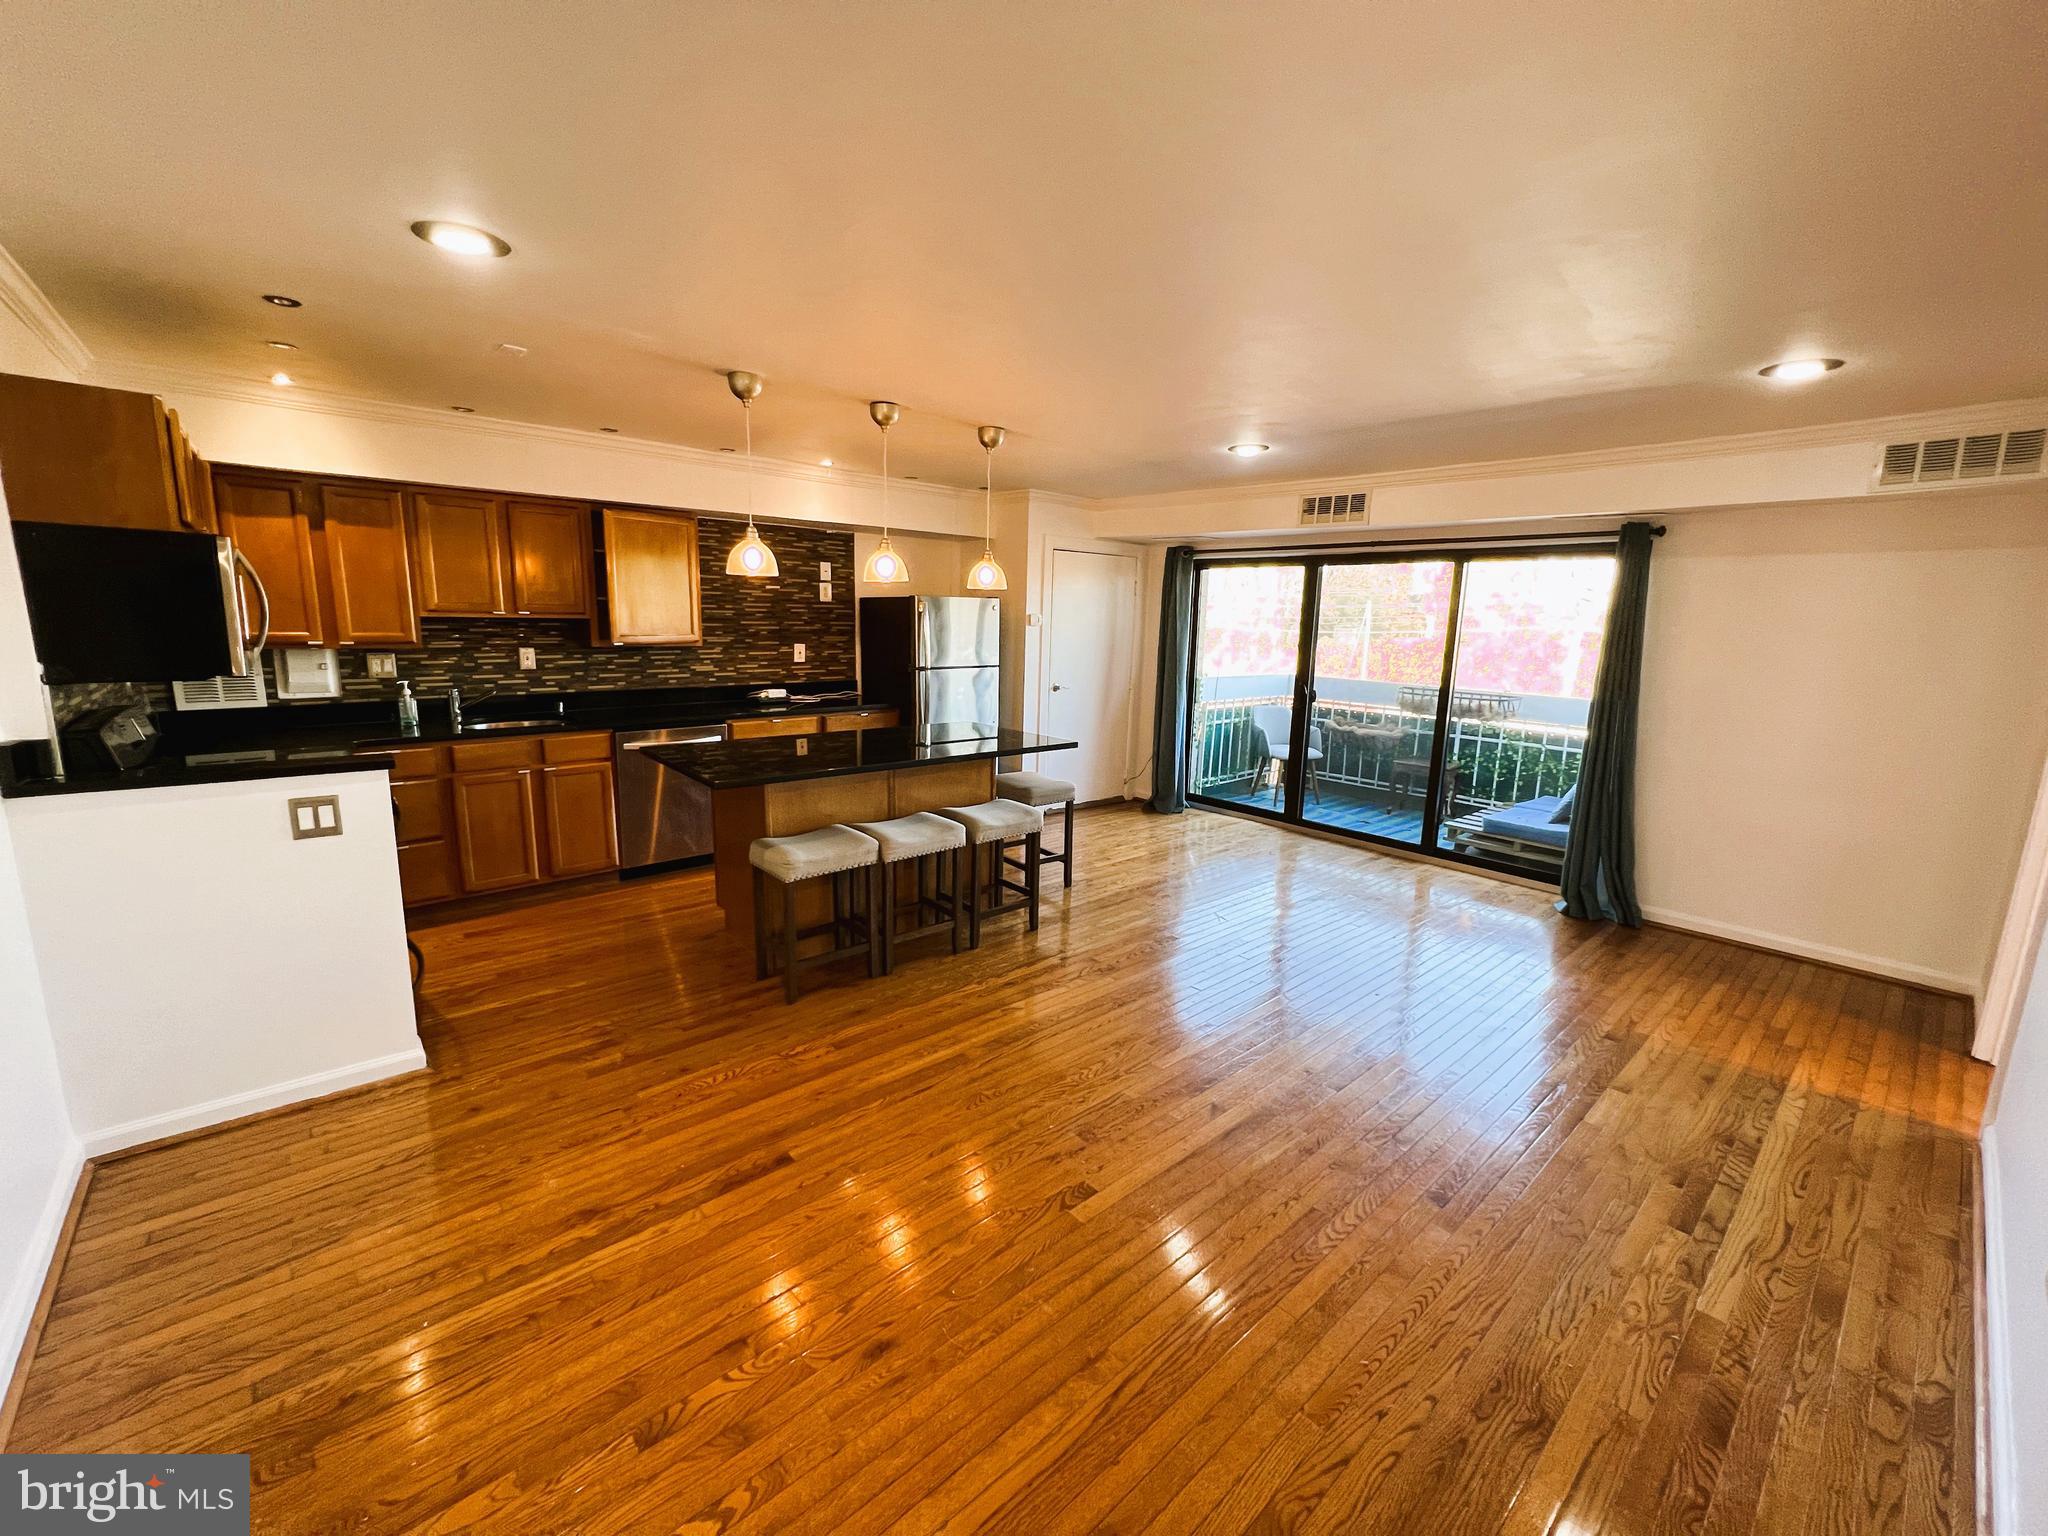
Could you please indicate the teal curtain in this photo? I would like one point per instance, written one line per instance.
(1170, 718)
(1599, 877)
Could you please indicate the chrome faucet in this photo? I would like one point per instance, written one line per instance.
(454, 709)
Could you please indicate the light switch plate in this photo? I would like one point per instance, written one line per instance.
(315, 816)
(799, 650)
(824, 591)
(526, 659)
(382, 664)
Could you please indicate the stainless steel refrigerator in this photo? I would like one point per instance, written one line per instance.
(937, 660)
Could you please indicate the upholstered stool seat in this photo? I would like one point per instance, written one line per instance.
(1042, 790)
(935, 847)
(991, 825)
(830, 853)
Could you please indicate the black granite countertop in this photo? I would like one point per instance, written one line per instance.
(227, 746)
(789, 759)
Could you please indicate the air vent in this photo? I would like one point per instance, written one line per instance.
(1979, 456)
(221, 692)
(1316, 511)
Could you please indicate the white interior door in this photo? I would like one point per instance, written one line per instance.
(1091, 664)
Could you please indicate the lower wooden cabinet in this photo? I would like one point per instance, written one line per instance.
(476, 817)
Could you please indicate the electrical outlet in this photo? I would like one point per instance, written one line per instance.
(526, 659)
(824, 591)
(799, 650)
(382, 664)
(824, 570)
(315, 816)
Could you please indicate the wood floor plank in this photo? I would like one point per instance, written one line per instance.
(1272, 1185)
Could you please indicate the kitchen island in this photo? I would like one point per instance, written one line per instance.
(781, 785)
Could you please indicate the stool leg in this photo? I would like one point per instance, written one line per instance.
(789, 942)
(974, 895)
(760, 926)
(881, 938)
(1067, 849)
(948, 870)
(1034, 864)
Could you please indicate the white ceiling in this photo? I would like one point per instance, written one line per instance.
(1375, 236)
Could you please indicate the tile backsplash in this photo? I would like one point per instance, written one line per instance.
(750, 626)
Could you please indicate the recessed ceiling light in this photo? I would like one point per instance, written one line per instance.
(280, 379)
(460, 239)
(467, 410)
(283, 346)
(1249, 450)
(281, 300)
(1800, 370)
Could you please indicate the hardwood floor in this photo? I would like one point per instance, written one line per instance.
(1272, 1186)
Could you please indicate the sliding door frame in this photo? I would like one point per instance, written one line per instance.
(1291, 812)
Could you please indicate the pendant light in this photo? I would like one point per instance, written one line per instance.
(986, 575)
(749, 557)
(885, 567)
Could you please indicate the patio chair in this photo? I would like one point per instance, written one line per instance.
(1275, 722)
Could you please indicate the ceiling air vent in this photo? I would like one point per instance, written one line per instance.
(1316, 511)
(1978, 456)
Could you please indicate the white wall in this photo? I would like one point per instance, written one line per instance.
(2016, 1254)
(198, 964)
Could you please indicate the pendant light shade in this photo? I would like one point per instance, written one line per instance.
(749, 557)
(885, 567)
(985, 575)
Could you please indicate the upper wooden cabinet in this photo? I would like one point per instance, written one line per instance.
(369, 577)
(75, 453)
(651, 583)
(271, 523)
(494, 556)
(548, 546)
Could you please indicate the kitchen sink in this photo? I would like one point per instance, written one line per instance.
(512, 725)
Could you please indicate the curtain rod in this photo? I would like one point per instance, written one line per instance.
(1468, 542)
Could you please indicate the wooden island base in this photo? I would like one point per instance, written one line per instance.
(738, 816)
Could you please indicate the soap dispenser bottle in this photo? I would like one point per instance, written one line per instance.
(408, 709)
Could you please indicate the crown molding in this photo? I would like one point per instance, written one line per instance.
(21, 298)
(1873, 429)
(158, 380)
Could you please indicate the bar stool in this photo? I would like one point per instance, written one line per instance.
(937, 850)
(990, 825)
(1042, 790)
(832, 853)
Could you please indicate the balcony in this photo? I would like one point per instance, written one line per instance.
(1374, 773)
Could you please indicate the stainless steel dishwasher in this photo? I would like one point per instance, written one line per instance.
(662, 814)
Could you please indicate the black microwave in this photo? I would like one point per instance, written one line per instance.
(130, 605)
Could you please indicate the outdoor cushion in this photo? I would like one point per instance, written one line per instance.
(1033, 788)
(995, 821)
(809, 854)
(913, 836)
(1530, 821)
(1562, 816)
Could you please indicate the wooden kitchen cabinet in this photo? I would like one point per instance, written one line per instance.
(267, 517)
(459, 551)
(497, 829)
(76, 453)
(548, 546)
(369, 576)
(651, 584)
(775, 725)
(582, 823)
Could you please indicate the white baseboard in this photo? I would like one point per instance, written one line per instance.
(1827, 954)
(32, 1265)
(255, 1101)
(1995, 1340)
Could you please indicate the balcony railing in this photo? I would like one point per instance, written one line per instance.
(1499, 759)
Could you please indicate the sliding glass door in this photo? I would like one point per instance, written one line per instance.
(1433, 701)
(1246, 656)
(1382, 628)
